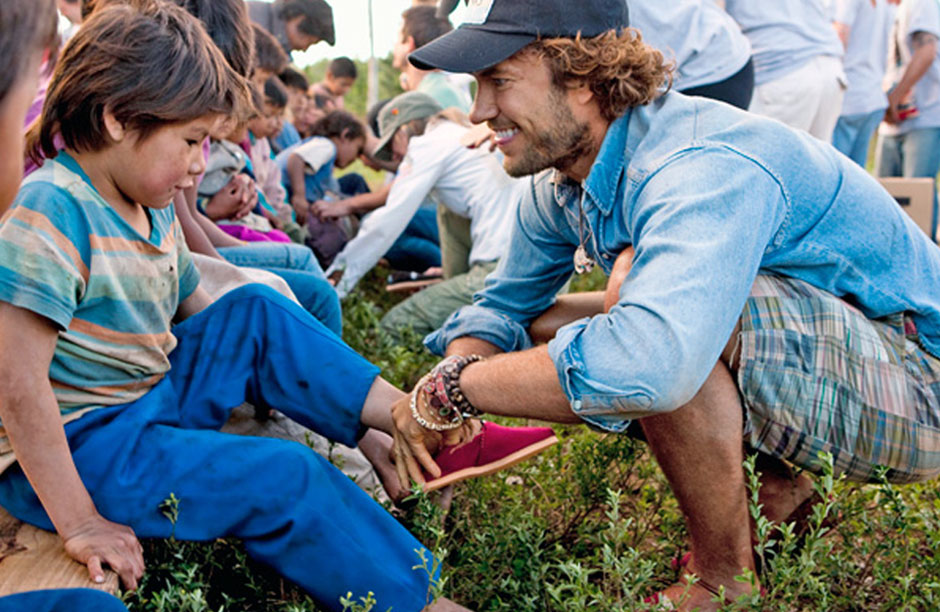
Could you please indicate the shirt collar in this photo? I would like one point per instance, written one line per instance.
(601, 183)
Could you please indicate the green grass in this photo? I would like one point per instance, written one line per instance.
(589, 525)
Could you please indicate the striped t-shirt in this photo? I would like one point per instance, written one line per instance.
(67, 255)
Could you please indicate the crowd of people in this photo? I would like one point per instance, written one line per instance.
(178, 234)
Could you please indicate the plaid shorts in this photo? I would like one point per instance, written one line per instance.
(815, 374)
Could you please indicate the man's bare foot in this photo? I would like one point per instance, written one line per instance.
(782, 492)
(445, 605)
(703, 594)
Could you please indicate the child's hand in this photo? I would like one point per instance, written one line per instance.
(100, 542)
(301, 207)
(228, 201)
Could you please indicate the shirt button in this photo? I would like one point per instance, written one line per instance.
(576, 404)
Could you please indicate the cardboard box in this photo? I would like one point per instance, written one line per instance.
(917, 197)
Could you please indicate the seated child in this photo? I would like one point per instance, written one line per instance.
(340, 76)
(234, 212)
(27, 30)
(108, 406)
(266, 125)
(296, 84)
(270, 59)
(307, 171)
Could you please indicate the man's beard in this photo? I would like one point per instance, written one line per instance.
(560, 146)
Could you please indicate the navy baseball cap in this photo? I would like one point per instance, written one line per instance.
(494, 30)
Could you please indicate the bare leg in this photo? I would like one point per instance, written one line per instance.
(700, 451)
(782, 490)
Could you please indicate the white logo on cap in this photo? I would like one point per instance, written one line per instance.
(478, 11)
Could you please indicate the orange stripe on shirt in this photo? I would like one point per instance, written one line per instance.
(42, 223)
(118, 337)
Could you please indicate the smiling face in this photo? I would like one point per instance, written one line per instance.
(534, 119)
(149, 171)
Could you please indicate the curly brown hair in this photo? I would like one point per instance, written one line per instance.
(621, 70)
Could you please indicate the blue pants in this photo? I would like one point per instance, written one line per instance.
(293, 510)
(62, 600)
(418, 247)
(297, 265)
(853, 133)
(914, 154)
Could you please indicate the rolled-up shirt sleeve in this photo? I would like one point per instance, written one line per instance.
(701, 225)
(536, 265)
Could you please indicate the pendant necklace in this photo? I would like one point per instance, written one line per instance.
(583, 263)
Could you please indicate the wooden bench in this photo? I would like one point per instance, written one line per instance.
(32, 559)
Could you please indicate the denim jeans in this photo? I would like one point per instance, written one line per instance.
(290, 507)
(297, 265)
(418, 247)
(62, 600)
(914, 154)
(853, 134)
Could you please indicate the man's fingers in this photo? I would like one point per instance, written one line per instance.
(95, 572)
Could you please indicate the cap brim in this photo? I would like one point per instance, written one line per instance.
(383, 152)
(468, 49)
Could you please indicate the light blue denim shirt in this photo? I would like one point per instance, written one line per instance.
(709, 196)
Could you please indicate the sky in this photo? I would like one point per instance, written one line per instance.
(351, 20)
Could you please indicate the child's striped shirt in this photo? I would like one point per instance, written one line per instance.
(67, 255)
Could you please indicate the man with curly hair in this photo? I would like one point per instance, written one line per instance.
(777, 295)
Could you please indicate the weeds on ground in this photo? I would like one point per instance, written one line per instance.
(589, 525)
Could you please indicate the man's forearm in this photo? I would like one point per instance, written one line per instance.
(924, 53)
(366, 202)
(522, 384)
(468, 345)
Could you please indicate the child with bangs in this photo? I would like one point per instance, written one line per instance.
(109, 406)
(27, 33)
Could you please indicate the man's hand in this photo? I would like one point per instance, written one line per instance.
(477, 136)
(330, 210)
(98, 541)
(413, 445)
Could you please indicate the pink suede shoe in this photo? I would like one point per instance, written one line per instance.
(494, 448)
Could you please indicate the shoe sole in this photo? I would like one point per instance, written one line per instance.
(490, 468)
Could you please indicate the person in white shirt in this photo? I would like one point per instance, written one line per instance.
(909, 138)
(711, 54)
(471, 183)
(864, 26)
(798, 76)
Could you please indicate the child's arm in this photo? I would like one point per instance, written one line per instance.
(298, 189)
(196, 301)
(33, 424)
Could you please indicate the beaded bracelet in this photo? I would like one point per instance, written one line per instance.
(456, 420)
(446, 379)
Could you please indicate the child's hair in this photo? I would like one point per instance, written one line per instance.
(423, 24)
(149, 65)
(339, 124)
(226, 21)
(342, 67)
(26, 27)
(294, 79)
(268, 52)
(275, 93)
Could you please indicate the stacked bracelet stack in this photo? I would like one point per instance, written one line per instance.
(438, 395)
